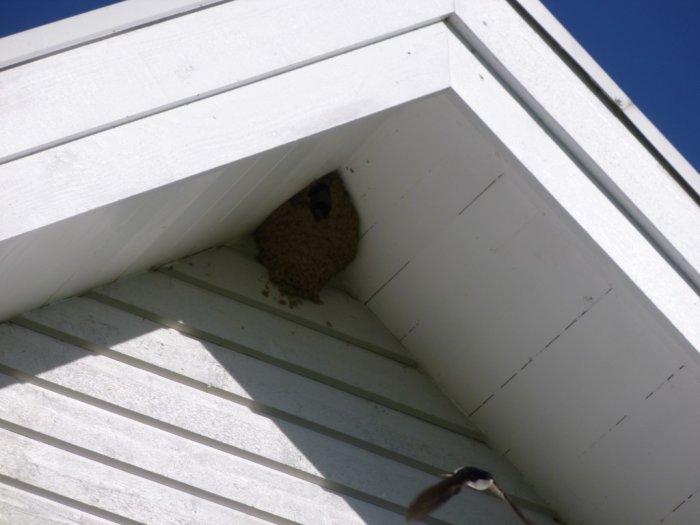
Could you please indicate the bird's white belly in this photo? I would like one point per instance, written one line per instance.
(480, 484)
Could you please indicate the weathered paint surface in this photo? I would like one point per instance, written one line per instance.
(157, 400)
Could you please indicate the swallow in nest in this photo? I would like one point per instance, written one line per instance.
(320, 199)
(438, 494)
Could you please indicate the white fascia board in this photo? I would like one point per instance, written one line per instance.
(135, 75)
(91, 26)
(103, 168)
(582, 124)
(568, 43)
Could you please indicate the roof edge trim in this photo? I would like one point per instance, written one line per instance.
(91, 26)
(603, 143)
(585, 66)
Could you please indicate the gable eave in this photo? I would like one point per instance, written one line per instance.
(127, 16)
(528, 123)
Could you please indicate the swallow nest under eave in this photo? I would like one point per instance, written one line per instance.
(309, 238)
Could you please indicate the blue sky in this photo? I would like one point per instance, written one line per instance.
(651, 48)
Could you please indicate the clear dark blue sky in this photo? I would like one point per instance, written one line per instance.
(651, 48)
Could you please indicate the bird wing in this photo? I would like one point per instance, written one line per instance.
(431, 498)
(502, 495)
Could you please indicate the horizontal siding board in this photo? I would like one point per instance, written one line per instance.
(228, 476)
(283, 341)
(241, 376)
(338, 314)
(187, 462)
(105, 378)
(92, 483)
(290, 396)
(18, 506)
(252, 418)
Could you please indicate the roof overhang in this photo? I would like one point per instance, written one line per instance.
(529, 250)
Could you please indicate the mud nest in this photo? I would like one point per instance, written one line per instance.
(309, 238)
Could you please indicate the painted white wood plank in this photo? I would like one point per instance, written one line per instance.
(130, 75)
(199, 466)
(442, 269)
(90, 482)
(389, 166)
(597, 347)
(657, 428)
(406, 194)
(685, 514)
(22, 507)
(225, 475)
(664, 146)
(204, 465)
(51, 38)
(502, 298)
(338, 313)
(286, 343)
(384, 431)
(79, 176)
(601, 368)
(600, 140)
(556, 30)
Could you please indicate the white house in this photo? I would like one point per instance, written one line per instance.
(525, 297)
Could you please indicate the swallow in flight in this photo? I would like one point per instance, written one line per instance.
(438, 494)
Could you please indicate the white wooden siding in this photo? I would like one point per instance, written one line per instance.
(185, 59)
(504, 209)
(162, 399)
